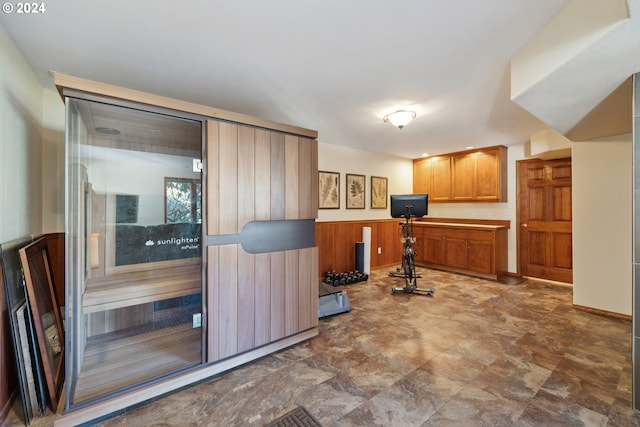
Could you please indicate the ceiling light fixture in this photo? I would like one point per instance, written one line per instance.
(399, 118)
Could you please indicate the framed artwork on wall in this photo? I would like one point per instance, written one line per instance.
(378, 192)
(328, 190)
(356, 187)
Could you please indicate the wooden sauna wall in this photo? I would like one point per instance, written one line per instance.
(254, 174)
(336, 241)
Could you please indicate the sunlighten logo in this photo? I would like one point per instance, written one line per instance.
(178, 241)
(185, 243)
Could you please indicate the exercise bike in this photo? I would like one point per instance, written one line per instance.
(408, 268)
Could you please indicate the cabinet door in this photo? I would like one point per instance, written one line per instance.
(433, 245)
(463, 177)
(422, 176)
(455, 248)
(433, 177)
(480, 251)
(487, 176)
(441, 179)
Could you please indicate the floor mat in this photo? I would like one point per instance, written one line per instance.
(298, 417)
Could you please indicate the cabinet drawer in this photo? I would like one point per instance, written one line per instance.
(455, 234)
(484, 236)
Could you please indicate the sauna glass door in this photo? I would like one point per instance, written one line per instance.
(134, 263)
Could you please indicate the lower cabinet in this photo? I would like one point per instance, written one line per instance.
(474, 249)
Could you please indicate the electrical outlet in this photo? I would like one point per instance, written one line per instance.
(197, 320)
(379, 251)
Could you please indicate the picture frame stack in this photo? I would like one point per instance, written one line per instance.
(27, 357)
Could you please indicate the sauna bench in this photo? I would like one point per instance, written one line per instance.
(138, 287)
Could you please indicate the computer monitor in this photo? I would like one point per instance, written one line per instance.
(409, 205)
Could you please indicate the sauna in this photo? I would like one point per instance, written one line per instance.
(190, 243)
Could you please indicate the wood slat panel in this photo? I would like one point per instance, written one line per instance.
(292, 290)
(262, 175)
(227, 208)
(246, 213)
(263, 299)
(278, 291)
(308, 289)
(228, 309)
(246, 175)
(277, 176)
(213, 303)
(291, 183)
(305, 165)
(246, 300)
(325, 241)
(213, 181)
(336, 243)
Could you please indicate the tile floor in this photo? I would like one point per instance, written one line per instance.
(479, 353)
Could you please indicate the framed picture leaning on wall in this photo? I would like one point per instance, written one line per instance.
(356, 187)
(328, 190)
(378, 192)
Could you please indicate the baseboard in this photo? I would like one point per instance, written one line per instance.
(550, 282)
(603, 312)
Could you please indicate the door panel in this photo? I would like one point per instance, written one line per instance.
(545, 219)
(257, 298)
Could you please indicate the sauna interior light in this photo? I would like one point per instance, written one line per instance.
(399, 118)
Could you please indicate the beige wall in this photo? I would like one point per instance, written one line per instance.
(602, 207)
(335, 158)
(20, 145)
(53, 208)
(31, 150)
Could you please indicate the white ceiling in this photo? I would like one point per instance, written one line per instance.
(332, 65)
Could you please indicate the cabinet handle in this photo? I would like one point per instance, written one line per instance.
(525, 225)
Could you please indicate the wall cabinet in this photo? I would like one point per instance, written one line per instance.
(432, 175)
(477, 249)
(468, 176)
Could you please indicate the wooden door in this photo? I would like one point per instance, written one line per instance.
(545, 219)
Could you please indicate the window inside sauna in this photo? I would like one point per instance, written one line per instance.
(134, 248)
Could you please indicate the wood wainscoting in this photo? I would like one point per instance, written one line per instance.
(336, 242)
